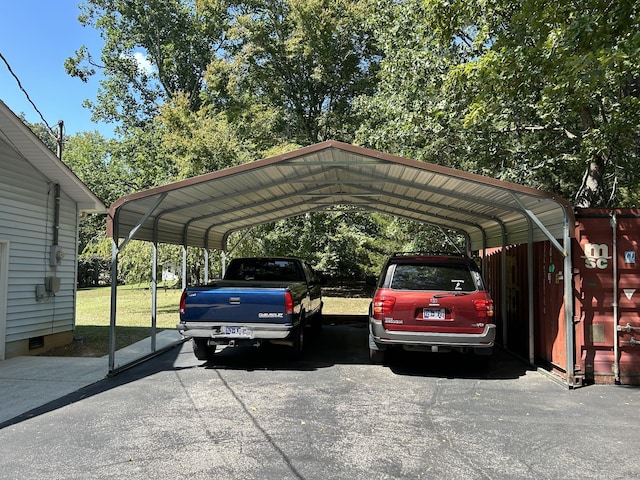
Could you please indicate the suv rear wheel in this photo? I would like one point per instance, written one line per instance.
(377, 357)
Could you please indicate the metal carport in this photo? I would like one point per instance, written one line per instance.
(202, 211)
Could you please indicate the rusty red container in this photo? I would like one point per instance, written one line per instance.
(607, 294)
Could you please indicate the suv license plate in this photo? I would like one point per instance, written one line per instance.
(241, 332)
(433, 313)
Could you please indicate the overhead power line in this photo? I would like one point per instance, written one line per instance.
(51, 131)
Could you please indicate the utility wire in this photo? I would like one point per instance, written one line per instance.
(53, 134)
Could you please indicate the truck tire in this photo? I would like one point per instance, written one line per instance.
(201, 350)
(316, 322)
(297, 348)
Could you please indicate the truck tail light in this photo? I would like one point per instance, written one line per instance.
(183, 301)
(288, 303)
(484, 307)
(382, 305)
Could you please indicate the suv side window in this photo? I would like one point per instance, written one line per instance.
(431, 276)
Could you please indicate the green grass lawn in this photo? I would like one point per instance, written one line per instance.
(133, 317)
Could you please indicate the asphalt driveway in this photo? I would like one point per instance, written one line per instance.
(255, 414)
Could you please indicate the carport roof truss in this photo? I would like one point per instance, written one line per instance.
(202, 211)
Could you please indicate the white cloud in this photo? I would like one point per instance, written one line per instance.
(144, 65)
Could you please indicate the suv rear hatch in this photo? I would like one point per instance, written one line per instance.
(433, 296)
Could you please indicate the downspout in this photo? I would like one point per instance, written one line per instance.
(56, 215)
(616, 313)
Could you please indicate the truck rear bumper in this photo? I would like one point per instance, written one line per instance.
(218, 330)
(383, 337)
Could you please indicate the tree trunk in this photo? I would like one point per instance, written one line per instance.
(591, 187)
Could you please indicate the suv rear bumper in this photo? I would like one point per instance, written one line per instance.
(383, 337)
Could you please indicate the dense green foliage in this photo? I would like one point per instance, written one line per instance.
(537, 92)
(542, 93)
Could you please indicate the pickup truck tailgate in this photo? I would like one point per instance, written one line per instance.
(235, 304)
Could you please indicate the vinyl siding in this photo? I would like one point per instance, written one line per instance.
(27, 214)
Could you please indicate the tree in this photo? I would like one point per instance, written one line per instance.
(542, 93)
(343, 243)
(88, 154)
(206, 140)
(153, 51)
(573, 71)
(306, 58)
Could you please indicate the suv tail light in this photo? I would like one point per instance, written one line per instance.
(484, 307)
(382, 305)
(288, 303)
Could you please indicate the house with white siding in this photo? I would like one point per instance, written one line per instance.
(41, 204)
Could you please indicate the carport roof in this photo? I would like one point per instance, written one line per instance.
(202, 211)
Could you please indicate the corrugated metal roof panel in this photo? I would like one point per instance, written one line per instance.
(203, 210)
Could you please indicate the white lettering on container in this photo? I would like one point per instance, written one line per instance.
(596, 255)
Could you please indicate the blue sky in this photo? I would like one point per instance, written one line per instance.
(36, 36)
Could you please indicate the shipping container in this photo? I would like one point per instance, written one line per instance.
(606, 299)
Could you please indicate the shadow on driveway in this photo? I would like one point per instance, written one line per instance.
(337, 344)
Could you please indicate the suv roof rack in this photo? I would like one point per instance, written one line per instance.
(430, 254)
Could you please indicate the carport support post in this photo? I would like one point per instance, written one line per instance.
(114, 300)
(223, 257)
(503, 293)
(154, 293)
(532, 357)
(568, 306)
(206, 265)
(565, 249)
(184, 267)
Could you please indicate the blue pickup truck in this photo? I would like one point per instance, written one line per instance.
(258, 300)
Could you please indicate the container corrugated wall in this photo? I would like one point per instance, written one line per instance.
(595, 265)
(595, 328)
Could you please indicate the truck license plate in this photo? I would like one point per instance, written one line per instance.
(240, 332)
(433, 313)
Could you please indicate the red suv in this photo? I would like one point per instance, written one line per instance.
(434, 303)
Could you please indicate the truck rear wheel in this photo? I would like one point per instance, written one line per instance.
(202, 350)
(316, 322)
(297, 347)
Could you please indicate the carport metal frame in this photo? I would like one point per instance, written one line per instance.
(203, 211)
